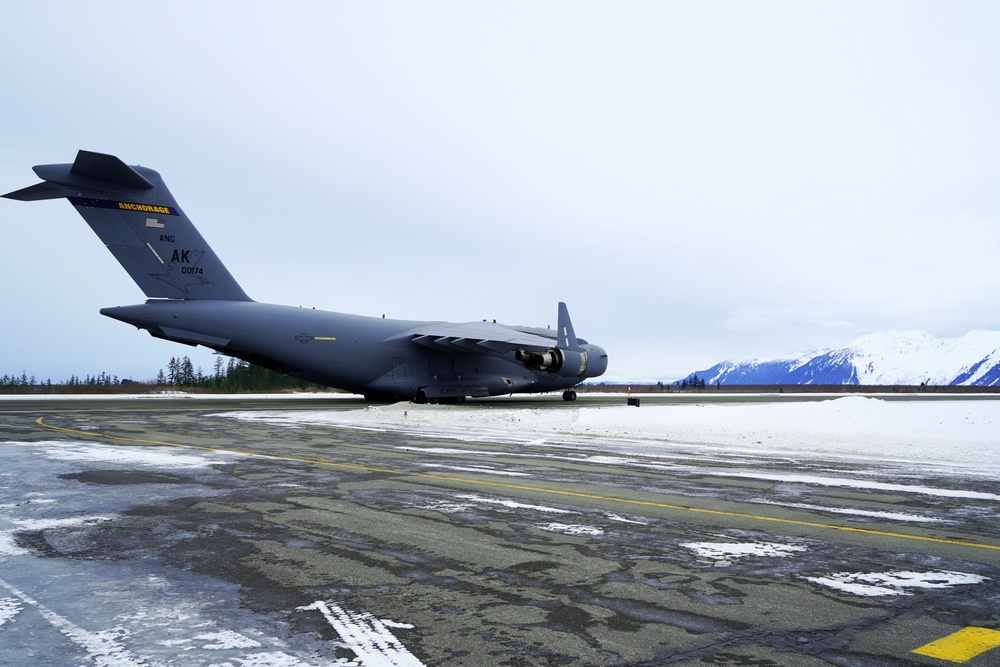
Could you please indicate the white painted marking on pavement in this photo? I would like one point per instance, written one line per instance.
(102, 647)
(369, 638)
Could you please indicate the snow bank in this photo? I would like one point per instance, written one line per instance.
(956, 432)
(964, 432)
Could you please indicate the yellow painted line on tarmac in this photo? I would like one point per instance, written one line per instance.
(961, 646)
(540, 489)
(703, 510)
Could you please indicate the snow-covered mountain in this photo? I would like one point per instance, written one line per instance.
(892, 358)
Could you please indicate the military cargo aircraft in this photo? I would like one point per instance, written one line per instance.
(193, 299)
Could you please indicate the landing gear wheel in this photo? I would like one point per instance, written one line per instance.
(421, 397)
(569, 395)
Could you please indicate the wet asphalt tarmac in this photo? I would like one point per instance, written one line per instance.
(149, 533)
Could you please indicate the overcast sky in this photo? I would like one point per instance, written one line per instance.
(698, 181)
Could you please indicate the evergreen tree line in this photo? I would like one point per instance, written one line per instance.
(692, 381)
(232, 377)
(102, 380)
(15, 381)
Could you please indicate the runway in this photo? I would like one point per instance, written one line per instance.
(187, 532)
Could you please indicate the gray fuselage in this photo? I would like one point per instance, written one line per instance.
(365, 355)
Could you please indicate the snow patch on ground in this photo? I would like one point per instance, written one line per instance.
(891, 516)
(572, 529)
(9, 608)
(463, 502)
(226, 639)
(859, 484)
(873, 584)
(725, 553)
(511, 504)
(46, 524)
(126, 455)
(483, 469)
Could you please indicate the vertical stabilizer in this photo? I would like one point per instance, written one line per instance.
(566, 338)
(134, 214)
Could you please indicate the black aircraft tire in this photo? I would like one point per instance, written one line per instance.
(569, 395)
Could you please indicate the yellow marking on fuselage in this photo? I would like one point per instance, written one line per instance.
(324, 338)
(144, 208)
(541, 489)
(961, 646)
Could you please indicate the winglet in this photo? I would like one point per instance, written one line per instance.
(566, 337)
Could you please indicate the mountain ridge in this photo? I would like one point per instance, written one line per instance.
(885, 358)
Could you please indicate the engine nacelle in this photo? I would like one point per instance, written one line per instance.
(567, 363)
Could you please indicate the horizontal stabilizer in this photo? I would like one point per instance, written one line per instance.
(36, 192)
(107, 169)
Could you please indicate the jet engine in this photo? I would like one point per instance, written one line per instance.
(567, 363)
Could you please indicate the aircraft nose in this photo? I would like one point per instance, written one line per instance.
(597, 361)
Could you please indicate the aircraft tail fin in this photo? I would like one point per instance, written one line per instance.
(134, 214)
(565, 337)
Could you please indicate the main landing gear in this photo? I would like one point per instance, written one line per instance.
(422, 399)
(569, 395)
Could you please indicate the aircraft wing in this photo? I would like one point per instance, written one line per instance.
(473, 337)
